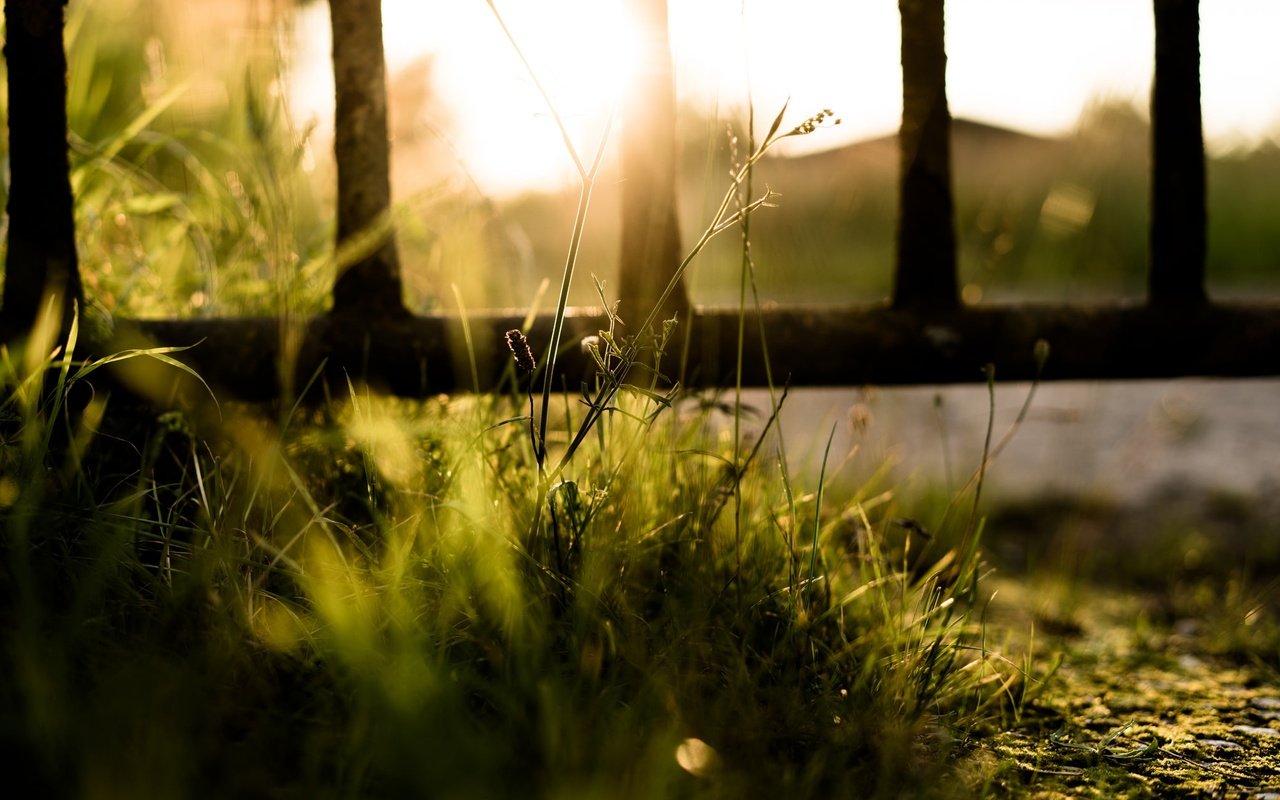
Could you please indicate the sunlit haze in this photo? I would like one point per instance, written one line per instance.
(1028, 64)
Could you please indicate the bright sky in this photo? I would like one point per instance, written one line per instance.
(1029, 64)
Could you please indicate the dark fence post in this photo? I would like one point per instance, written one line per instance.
(925, 274)
(41, 259)
(650, 229)
(1178, 218)
(370, 287)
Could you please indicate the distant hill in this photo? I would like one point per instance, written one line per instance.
(979, 150)
(965, 134)
(1050, 217)
(832, 232)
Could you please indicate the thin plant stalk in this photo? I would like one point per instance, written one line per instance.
(991, 453)
(557, 326)
(817, 514)
(587, 177)
(466, 338)
(744, 225)
(986, 453)
(721, 221)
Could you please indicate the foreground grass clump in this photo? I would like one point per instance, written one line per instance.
(381, 598)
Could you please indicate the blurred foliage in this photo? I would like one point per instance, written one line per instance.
(191, 198)
(198, 193)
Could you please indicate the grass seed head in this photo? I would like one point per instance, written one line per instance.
(519, 347)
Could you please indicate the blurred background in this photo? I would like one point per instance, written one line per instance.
(1050, 141)
(203, 171)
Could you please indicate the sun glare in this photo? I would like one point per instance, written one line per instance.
(583, 52)
(1028, 64)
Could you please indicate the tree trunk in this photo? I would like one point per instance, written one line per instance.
(41, 259)
(926, 267)
(1178, 218)
(650, 226)
(370, 287)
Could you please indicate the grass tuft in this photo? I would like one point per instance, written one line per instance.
(360, 604)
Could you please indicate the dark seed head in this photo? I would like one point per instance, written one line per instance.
(519, 347)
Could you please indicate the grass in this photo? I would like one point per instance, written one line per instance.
(448, 598)
(521, 593)
(359, 604)
(363, 604)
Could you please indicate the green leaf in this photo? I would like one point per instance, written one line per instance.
(160, 354)
(113, 146)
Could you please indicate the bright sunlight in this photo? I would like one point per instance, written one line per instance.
(489, 110)
(817, 53)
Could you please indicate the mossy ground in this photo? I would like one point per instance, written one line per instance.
(1139, 710)
(1167, 687)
